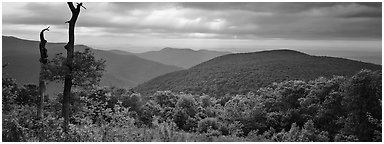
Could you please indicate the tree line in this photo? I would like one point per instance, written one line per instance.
(335, 109)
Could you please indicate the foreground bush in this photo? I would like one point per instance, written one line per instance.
(208, 124)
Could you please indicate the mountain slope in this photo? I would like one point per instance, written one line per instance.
(185, 58)
(121, 52)
(240, 73)
(121, 70)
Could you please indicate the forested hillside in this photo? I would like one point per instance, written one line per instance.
(241, 73)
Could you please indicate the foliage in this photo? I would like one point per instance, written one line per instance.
(165, 98)
(335, 109)
(208, 124)
(362, 100)
(10, 91)
(306, 134)
(187, 103)
(27, 95)
(86, 70)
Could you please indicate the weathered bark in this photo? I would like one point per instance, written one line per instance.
(69, 62)
(42, 82)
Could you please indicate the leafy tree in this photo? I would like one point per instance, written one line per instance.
(323, 104)
(235, 128)
(10, 92)
(206, 101)
(362, 100)
(237, 108)
(133, 101)
(208, 124)
(165, 98)
(185, 111)
(180, 118)
(306, 134)
(187, 103)
(149, 110)
(86, 70)
(28, 95)
(310, 133)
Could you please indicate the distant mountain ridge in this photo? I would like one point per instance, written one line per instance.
(184, 58)
(244, 72)
(125, 71)
(121, 52)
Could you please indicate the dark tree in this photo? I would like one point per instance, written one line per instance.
(68, 64)
(42, 82)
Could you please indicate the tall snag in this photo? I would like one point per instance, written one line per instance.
(43, 63)
(68, 64)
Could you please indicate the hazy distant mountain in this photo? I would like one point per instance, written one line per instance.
(121, 52)
(185, 58)
(244, 72)
(121, 70)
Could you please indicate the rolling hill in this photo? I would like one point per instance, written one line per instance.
(184, 58)
(121, 52)
(125, 71)
(244, 72)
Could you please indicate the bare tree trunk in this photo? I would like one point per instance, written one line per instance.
(43, 62)
(68, 63)
(42, 82)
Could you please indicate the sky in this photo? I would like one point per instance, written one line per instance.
(338, 29)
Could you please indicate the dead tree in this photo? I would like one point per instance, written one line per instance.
(42, 82)
(68, 64)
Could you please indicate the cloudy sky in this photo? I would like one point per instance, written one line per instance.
(237, 27)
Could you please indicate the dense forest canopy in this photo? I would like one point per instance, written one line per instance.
(324, 109)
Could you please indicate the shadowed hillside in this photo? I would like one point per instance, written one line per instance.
(123, 71)
(240, 73)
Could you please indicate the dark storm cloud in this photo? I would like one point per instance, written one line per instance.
(291, 7)
(213, 20)
(255, 6)
(119, 6)
(371, 4)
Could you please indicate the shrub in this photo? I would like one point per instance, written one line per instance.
(165, 98)
(180, 118)
(133, 101)
(28, 95)
(206, 101)
(307, 134)
(188, 103)
(149, 110)
(208, 124)
(9, 93)
(235, 128)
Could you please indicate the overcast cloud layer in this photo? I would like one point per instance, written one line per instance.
(221, 26)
